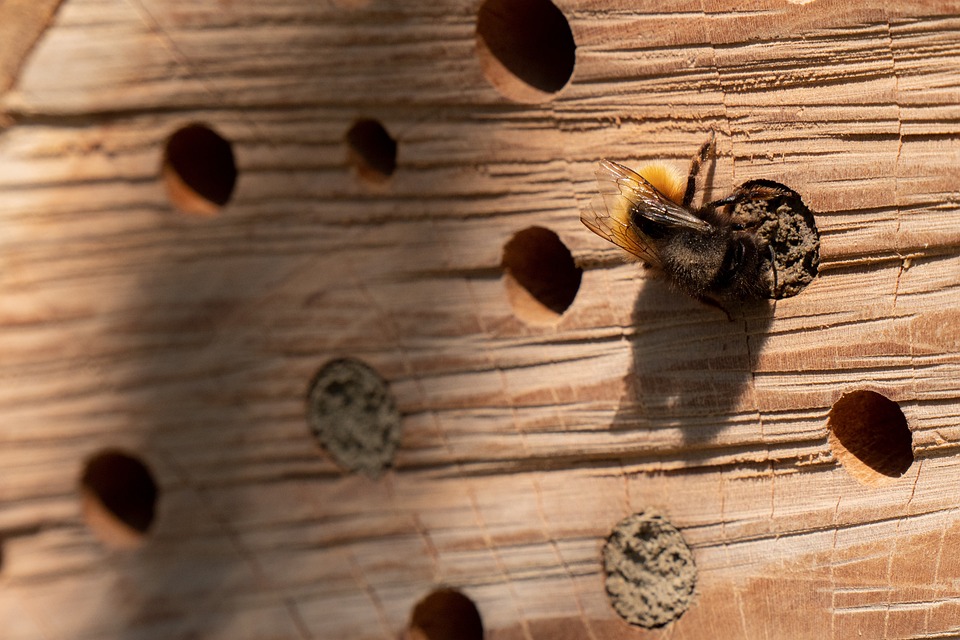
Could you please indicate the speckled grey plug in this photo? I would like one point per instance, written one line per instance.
(650, 571)
(353, 414)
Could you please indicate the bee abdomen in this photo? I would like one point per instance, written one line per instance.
(693, 260)
(719, 265)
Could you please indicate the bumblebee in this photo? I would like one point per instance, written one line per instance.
(714, 252)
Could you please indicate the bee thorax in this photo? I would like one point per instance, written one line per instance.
(720, 264)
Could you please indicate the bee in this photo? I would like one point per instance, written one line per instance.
(706, 252)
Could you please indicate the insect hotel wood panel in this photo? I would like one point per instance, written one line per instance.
(302, 336)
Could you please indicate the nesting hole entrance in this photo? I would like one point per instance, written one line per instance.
(650, 572)
(779, 217)
(540, 275)
(372, 151)
(526, 48)
(445, 614)
(199, 170)
(870, 437)
(119, 498)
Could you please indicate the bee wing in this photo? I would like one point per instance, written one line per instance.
(612, 227)
(614, 179)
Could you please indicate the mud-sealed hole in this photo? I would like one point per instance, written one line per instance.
(870, 437)
(445, 614)
(199, 170)
(353, 415)
(650, 573)
(540, 275)
(119, 497)
(786, 225)
(372, 151)
(526, 48)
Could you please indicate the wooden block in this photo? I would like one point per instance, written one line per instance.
(383, 161)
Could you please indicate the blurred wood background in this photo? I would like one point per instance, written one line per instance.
(191, 340)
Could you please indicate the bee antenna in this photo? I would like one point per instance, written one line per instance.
(773, 263)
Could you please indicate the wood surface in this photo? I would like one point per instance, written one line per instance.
(192, 340)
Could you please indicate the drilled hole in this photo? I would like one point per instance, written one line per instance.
(650, 572)
(372, 150)
(445, 614)
(526, 48)
(787, 227)
(119, 497)
(540, 275)
(199, 170)
(870, 437)
(353, 414)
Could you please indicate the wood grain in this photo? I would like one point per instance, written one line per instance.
(192, 341)
(22, 22)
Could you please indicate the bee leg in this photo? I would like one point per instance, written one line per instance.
(713, 303)
(762, 190)
(754, 190)
(722, 202)
(706, 151)
(773, 265)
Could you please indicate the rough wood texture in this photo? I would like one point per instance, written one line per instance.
(192, 340)
(21, 24)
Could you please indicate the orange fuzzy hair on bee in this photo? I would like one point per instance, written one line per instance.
(665, 179)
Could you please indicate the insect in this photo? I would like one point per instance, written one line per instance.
(707, 252)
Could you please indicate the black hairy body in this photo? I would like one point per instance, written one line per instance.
(714, 252)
